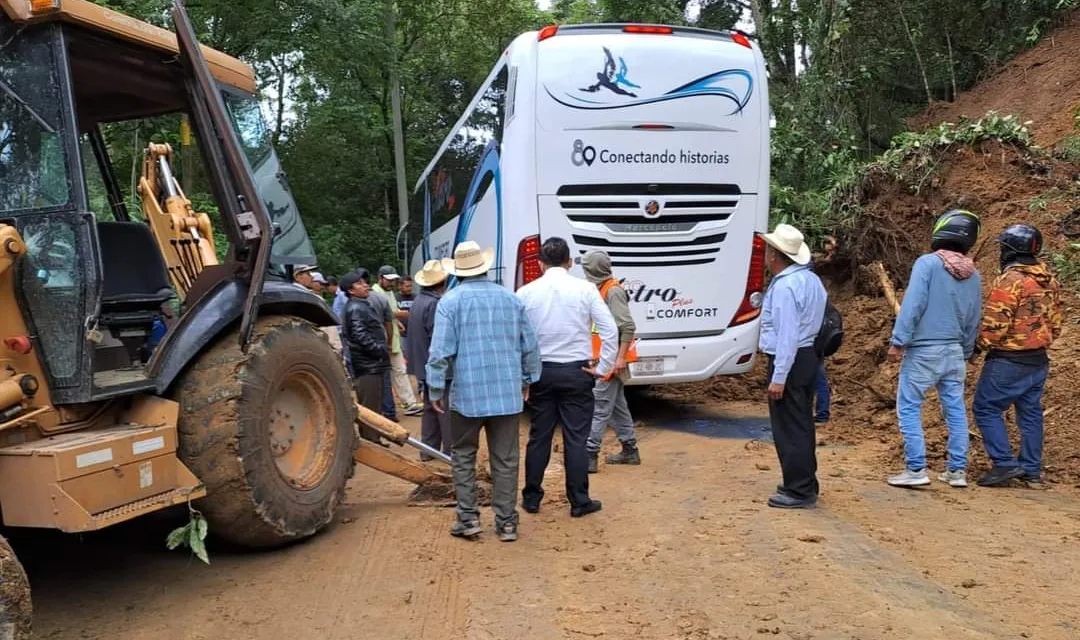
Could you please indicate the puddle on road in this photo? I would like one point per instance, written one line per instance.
(738, 428)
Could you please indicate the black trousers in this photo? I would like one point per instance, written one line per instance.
(369, 391)
(564, 395)
(792, 419)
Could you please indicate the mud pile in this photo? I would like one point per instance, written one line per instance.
(1004, 184)
(1041, 84)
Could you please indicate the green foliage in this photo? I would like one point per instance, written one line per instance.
(192, 535)
(204, 203)
(1067, 266)
(1069, 149)
(844, 76)
(913, 157)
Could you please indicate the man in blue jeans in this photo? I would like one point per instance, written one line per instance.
(935, 335)
(1022, 320)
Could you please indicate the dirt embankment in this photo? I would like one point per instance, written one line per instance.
(1005, 184)
(1041, 84)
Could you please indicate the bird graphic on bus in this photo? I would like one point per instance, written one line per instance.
(610, 79)
(735, 85)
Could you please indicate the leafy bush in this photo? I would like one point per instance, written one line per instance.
(1067, 266)
(913, 157)
(1069, 149)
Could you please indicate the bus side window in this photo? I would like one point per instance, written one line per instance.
(454, 172)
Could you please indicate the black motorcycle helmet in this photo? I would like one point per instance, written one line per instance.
(1020, 243)
(955, 230)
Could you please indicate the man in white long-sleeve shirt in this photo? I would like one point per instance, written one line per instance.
(563, 310)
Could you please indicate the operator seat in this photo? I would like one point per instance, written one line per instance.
(136, 283)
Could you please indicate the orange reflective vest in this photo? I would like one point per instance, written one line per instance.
(631, 354)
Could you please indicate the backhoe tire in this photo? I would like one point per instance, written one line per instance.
(16, 610)
(270, 433)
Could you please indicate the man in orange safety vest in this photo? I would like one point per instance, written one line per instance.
(611, 407)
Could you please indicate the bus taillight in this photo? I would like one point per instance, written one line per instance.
(547, 32)
(741, 39)
(755, 284)
(528, 261)
(648, 28)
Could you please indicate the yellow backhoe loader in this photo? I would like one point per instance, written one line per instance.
(241, 405)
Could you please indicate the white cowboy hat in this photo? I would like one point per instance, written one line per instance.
(469, 260)
(431, 275)
(789, 241)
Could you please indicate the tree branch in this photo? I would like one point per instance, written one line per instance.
(918, 54)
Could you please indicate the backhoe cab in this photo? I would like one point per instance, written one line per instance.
(144, 363)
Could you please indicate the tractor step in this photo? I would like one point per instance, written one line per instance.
(87, 480)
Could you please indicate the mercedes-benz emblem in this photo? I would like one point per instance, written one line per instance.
(652, 210)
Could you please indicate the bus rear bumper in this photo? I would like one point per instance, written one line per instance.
(693, 359)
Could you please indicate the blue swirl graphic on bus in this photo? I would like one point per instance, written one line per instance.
(736, 85)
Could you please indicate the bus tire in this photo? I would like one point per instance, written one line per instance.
(16, 608)
(270, 433)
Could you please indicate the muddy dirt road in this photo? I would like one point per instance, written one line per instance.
(684, 549)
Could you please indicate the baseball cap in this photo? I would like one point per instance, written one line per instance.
(347, 281)
(318, 277)
(388, 272)
(303, 268)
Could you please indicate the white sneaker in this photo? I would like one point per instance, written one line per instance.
(954, 478)
(910, 478)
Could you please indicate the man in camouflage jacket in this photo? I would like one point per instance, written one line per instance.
(1022, 317)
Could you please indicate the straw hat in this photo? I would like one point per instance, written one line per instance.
(431, 275)
(469, 260)
(789, 241)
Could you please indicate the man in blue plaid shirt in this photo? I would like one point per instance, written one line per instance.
(484, 341)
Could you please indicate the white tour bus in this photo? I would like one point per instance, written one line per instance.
(648, 142)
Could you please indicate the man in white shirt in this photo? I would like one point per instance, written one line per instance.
(563, 310)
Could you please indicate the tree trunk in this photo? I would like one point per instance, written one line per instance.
(918, 54)
(952, 66)
(399, 140)
(282, 85)
(762, 13)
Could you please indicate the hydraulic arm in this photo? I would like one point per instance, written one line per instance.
(185, 236)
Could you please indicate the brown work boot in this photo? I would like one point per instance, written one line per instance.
(628, 455)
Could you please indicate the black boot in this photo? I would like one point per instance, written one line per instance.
(628, 455)
(593, 462)
(998, 476)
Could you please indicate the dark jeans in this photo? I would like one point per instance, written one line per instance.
(823, 396)
(388, 409)
(503, 442)
(564, 395)
(1002, 384)
(434, 426)
(369, 391)
(792, 422)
